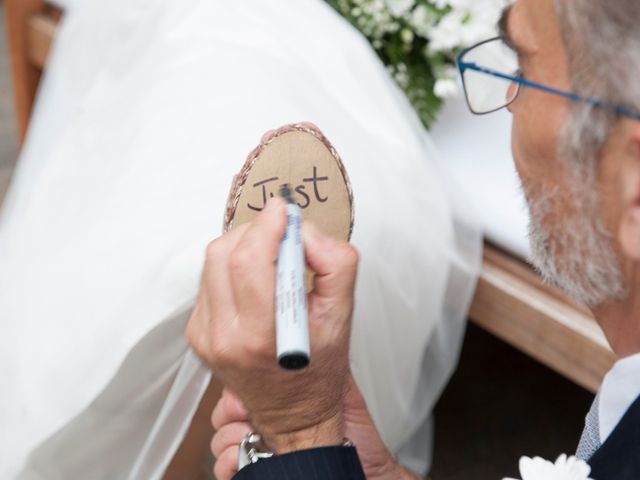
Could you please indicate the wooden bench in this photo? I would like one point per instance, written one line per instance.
(510, 302)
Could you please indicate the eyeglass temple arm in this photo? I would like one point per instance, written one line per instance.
(620, 110)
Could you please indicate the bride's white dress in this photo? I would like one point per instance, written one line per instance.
(148, 109)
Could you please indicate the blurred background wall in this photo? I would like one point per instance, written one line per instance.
(8, 134)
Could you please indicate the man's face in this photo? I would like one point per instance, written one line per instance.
(569, 239)
(538, 117)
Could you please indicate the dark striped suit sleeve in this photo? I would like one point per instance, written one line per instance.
(329, 463)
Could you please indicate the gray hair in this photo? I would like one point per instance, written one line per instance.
(603, 41)
(603, 38)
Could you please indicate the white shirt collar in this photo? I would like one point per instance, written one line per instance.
(620, 388)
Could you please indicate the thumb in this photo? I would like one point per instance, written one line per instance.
(334, 262)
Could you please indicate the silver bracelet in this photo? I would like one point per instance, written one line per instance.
(252, 449)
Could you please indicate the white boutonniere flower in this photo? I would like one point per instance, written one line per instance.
(565, 468)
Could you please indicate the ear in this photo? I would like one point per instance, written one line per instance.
(629, 232)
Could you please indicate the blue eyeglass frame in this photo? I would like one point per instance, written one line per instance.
(521, 81)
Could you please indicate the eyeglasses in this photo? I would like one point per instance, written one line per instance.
(491, 79)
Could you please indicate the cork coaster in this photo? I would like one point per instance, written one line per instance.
(301, 156)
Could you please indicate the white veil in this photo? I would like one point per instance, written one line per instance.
(147, 110)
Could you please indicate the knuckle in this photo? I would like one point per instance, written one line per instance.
(257, 348)
(195, 338)
(225, 437)
(226, 463)
(218, 470)
(214, 249)
(229, 456)
(219, 353)
(218, 415)
(214, 417)
(226, 406)
(241, 258)
(214, 445)
(350, 256)
(190, 332)
(218, 422)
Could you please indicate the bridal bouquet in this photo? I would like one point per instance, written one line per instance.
(418, 41)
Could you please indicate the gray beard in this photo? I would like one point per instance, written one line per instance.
(575, 254)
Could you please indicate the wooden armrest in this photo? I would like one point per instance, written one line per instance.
(32, 26)
(41, 30)
(512, 303)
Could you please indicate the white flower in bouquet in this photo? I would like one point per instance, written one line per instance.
(418, 41)
(446, 88)
(565, 468)
(398, 8)
(423, 20)
(467, 23)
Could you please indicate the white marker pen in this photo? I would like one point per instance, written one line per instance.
(292, 328)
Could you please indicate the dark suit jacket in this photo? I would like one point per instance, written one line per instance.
(619, 456)
(617, 459)
(330, 463)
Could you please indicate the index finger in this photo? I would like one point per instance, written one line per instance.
(253, 268)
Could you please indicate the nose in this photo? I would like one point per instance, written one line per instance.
(512, 91)
(509, 108)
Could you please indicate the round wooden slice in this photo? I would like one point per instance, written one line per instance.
(301, 156)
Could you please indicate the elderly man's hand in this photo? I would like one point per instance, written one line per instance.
(231, 422)
(233, 329)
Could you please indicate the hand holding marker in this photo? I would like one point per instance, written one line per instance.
(292, 328)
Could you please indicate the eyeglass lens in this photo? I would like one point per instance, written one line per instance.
(487, 93)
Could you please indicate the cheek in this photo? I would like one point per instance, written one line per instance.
(535, 138)
(614, 195)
